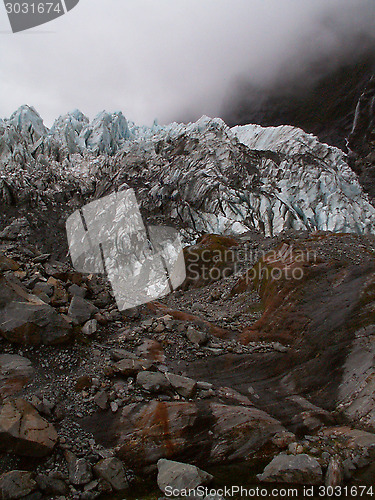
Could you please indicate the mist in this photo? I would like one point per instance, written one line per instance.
(174, 60)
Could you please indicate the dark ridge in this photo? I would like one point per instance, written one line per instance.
(324, 106)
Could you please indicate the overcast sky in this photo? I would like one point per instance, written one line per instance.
(166, 59)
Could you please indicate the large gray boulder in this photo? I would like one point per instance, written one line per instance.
(178, 476)
(52, 484)
(33, 324)
(297, 469)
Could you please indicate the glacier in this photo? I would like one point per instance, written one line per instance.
(200, 177)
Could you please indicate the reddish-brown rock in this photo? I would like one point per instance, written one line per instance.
(204, 432)
(23, 431)
(15, 372)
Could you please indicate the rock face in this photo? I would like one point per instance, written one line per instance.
(296, 469)
(300, 308)
(361, 135)
(23, 431)
(209, 432)
(324, 105)
(15, 372)
(179, 476)
(16, 484)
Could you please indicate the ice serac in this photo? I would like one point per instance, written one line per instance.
(27, 121)
(312, 181)
(106, 133)
(67, 128)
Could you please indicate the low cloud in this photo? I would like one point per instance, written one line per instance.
(172, 60)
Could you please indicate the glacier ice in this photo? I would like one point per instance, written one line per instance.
(202, 176)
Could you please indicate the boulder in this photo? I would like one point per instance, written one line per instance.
(80, 471)
(239, 432)
(52, 484)
(23, 431)
(80, 310)
(60, 295)
(112, 471)
(211, 432)
(152, 350)
(58, 270)
(43, 288)
(101, 399)
(16, 484)
(15, 372)
(196, 337)
(179, 476)
(90, 327)
(350, 439)
(296, 469)
(77, 290)
(26, 319)
(33, 324)
(7, 264)
(119, 354)
(185, 386)
(131, 367)
(153, 381)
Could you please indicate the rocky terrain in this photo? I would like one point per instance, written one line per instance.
(260, 367)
